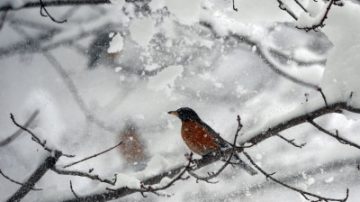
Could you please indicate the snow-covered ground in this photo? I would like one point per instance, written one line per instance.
(160, 62)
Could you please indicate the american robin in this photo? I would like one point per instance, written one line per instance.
(201, 138)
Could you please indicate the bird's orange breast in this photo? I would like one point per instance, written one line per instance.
(197, 138)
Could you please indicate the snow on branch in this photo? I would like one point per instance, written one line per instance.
(313, 15)
(84, 174)
(264, 53)
(49, 163)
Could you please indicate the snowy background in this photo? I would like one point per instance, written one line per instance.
(121, 63)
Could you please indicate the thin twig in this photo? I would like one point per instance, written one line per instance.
(72, 190)
(2, 18)
(301, 6)
(36, 138)
(291, 141)
(323, 18)
(19, 131)
(92, 156)
(234, 7)
(323, 96)
(303, 193)
(17, 182)
(284, 7)
(334, 135)
(47, 14)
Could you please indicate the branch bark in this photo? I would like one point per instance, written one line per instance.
(19, 131)
(27, 186)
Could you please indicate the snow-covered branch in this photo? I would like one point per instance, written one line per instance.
(312, 15)
(199, 163)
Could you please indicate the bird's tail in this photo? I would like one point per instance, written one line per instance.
(244, 165)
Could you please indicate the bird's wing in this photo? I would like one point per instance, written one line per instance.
(219, 139)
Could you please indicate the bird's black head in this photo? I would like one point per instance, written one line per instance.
(185, 113)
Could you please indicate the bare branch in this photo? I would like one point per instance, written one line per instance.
(16, 182)
(19, 131)
(2, 18)
(72, 190)
(83, 174)
(47, 164)
(323, 96)
(234, 7)
(37, 139)
(301, 6)
(45, 13)
(291, 141)
(334, 135)
(285, 8)
(303, 193)
(92, 156)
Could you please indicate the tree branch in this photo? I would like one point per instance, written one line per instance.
(291, 141)
(37, 139)
(45, 13)
(83, 174)
(199, 163)
(323, 18)
(72, 190)
(285, 8)
(16, 182)
(303, 193)
(47, 164)
(333, 108)
(20, 130)
(92, 156)
(334, 135)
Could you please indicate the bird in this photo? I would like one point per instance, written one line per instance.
(202, 139)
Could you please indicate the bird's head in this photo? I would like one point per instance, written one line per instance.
(185, 113)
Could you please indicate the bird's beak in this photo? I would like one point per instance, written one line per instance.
(175, 113)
